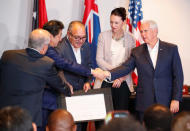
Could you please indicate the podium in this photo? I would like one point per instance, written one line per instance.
(87, 106)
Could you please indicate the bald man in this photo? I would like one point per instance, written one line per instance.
(75, 48)
(24, 74)
(61, 120)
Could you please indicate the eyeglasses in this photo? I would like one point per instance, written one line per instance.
(78, 38)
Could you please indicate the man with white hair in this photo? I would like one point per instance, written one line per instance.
(24, 74)
(160, 74)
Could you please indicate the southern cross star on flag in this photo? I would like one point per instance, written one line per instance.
(92, 25)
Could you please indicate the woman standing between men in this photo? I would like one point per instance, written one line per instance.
(114, 47)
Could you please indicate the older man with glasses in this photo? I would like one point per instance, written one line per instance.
(55, 27)
(75, 48)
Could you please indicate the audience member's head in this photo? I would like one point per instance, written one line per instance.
(15, 119)
(181, 122)
(54, 27)
(39, 40)
(158, 118)
(76, 34)
(123, 124)
(60, 120)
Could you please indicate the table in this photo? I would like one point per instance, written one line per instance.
(184, 105)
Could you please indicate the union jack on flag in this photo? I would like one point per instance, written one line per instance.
(134, 18)
(92, 24)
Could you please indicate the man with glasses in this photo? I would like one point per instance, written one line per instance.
(75, 48)
(55, 27)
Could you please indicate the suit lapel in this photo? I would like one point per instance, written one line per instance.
(160, 55)
(70, 51)
(147, 55)
(82, 54)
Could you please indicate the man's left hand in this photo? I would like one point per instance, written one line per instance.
(174, 106)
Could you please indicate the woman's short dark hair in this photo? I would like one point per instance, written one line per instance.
(53, 27)
(119, 12)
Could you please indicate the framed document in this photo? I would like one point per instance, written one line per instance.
(88, 106)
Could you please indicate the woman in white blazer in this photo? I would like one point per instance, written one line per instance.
(114, 47)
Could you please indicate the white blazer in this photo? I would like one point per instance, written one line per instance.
(103, 56)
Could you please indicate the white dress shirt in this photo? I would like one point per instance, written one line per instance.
(153, 52)
(77, 54)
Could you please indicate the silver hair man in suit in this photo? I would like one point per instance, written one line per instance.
(24, 74)
(160, 74)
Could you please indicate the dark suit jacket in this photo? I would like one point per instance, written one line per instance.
(70, 65)
(66, 64)
(65, 50)
(22, 80)
(160, 85)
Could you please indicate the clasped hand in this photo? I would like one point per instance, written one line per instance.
(100, 74)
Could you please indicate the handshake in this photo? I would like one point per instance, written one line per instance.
(100, 74)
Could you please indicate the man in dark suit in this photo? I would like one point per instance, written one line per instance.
(55, 27)
(160, 74)
(24, 74)
(74, 48)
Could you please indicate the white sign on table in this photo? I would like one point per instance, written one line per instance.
(86, 107)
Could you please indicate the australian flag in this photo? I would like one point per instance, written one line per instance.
(92, 24)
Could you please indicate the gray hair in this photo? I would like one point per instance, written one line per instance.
(38, 42)
(152, 24)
